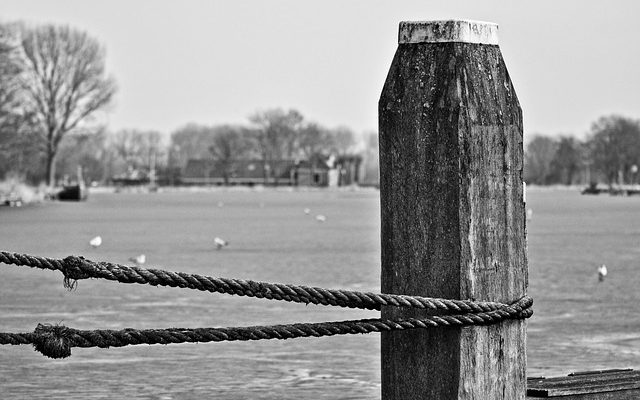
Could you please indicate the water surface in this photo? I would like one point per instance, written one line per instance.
(579, 323)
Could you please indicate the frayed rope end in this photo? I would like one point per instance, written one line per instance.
(69, 283)
(73, 270)
(52, 341)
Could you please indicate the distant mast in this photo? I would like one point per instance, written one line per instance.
(80, 178)
(153, 185)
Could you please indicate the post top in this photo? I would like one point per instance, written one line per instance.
(463, 31)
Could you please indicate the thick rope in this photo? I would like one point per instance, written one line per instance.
(57, 341)
(75, 268)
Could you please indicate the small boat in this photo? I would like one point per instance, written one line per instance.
(12, 200)
(594, 189)
(77, 192)
(72, 193)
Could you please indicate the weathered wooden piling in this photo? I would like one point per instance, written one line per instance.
(453, 216)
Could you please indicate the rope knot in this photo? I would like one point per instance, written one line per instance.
(523, 307)
(74, 268)
(53, 341)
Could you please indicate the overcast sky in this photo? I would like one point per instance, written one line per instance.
(215, 62)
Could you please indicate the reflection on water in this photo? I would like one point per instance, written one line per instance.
(579, 323)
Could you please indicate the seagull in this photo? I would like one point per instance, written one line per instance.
(220, 243)
(320, 218)
(307, 211)
(141, 259)
(95, 242)
(602, 272)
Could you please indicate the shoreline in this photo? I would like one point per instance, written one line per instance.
(213, 189)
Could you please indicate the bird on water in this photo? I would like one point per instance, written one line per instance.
(95, 242)
(602, 272)
(220, 243)
(140, 259)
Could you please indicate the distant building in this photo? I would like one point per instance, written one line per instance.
(209, 172)
(313, 172)
(132, 177)
(253, 172)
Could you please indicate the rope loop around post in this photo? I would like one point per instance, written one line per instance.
(75, 268)
(56, 341)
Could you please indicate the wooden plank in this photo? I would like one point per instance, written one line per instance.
(452, 216)
(616, 395)
(584, 385)
(600, 371)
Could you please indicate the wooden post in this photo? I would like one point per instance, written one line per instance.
(452, 210)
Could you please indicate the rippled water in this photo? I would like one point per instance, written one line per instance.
(579, 323)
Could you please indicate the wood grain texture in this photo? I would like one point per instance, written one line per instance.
(615, 395)
(452, 218)
(603, 385)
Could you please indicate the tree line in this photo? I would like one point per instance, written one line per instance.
(610, 153)
(53, 86)
(270, 135)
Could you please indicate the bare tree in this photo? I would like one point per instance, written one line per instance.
(538, 157)
(277, 135)
(343, 140)
(614, 142)
(314, 139)
(190, 141)
(87, 149)
(16, 148)
(565, 165)
(10, 69)
(64, 82)
(229, 144)
(135, 148)
(315, 142)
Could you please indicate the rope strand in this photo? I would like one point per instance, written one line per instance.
(75, 268)
(57, 341)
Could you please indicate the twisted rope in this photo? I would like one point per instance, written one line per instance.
(75, 268)
(57, 341)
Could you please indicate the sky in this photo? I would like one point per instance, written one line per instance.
(214, 62)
